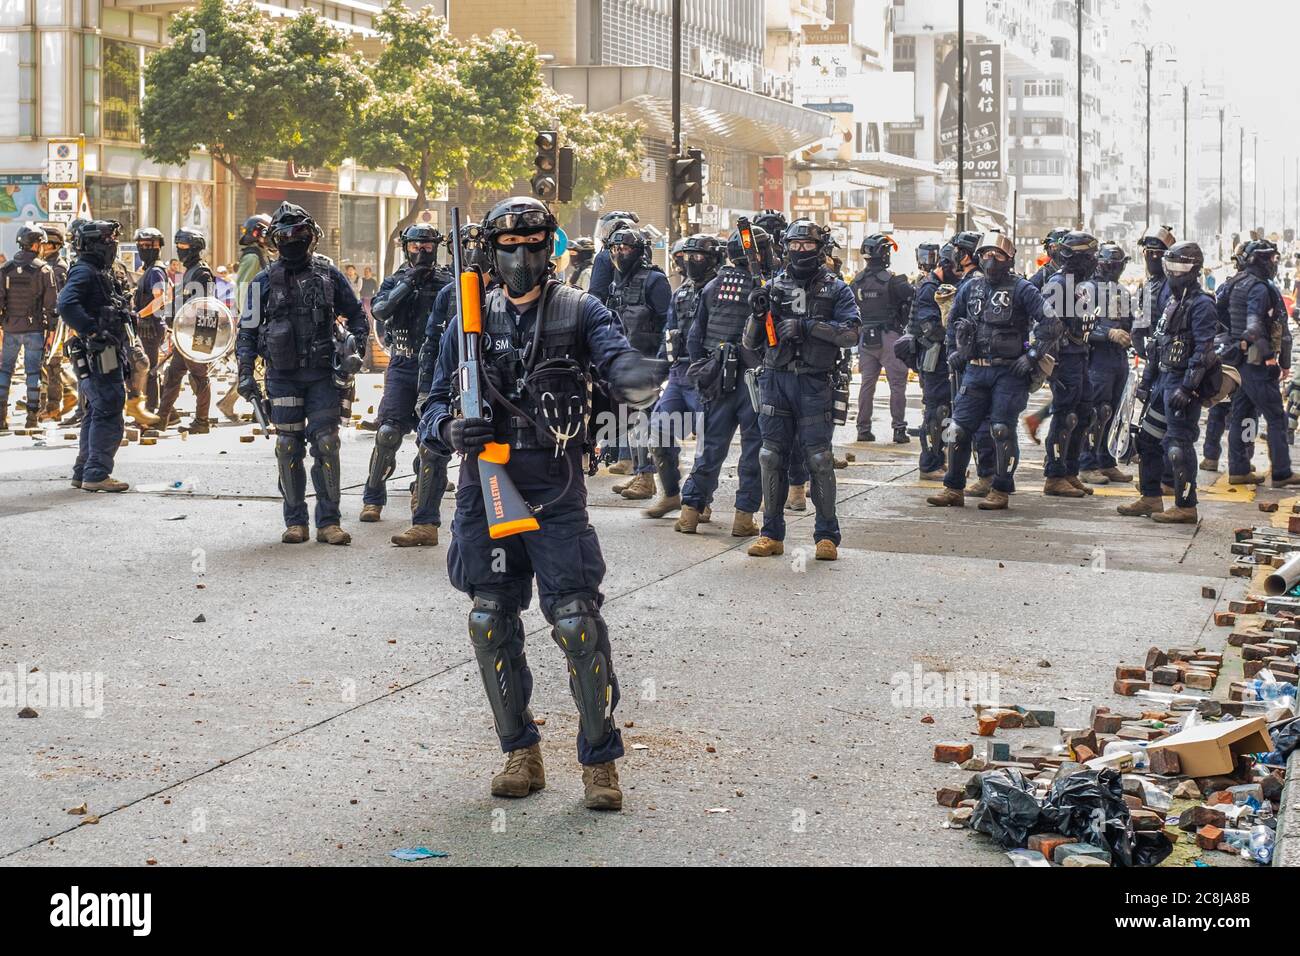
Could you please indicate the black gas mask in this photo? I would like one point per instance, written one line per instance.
(804, 263)
(522, 266)
(625, 262)
(148, 255)
(1155, 260)
(188, 255)
(995, 267)
(698, 267)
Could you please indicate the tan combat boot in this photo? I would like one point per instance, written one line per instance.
(687, 520)
(1142, 508)
(981, 487)
(641, 488)
(333, 534)
(839, 463)
(766, 547)
(797, 499)
(600, 789)
(371, 513)
(1114, 474)
(1209, 464)
(135, 410)
(621, 467)
(743, 526)
(995, 501)
(663, 506)
(1060, 488)
(227, 406)
(948, 498)
(933, 475)
(416, 536)
(706, 516)
(1176, 516)
(295, 534)
(1094, 477)
(106, 484)
(522, 775)
(1077, 482)
(826, 551)
(1253, 478)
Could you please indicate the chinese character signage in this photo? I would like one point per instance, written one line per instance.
(984, 111)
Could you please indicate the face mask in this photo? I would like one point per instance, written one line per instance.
(1155, 265)
(521, 266)
(189, 256)
(422, 259)
(804, 264)
(995, 268)
(1083, 268)
(292, 252)
(149, 256)
(625, 262)
(697, 271)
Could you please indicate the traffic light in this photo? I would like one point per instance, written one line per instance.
(547, 162)
(564, 181)
(688, 178)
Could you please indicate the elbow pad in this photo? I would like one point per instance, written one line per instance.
(385, 307)
(842, 336)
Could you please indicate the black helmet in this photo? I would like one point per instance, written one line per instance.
(927, 256)
(1183, 264)
(421, 232)
(879, 247)
(1077, 253)
(701, 256)
(1053, 239)
(253, 231)
(293, 232)
(473, 243)
(53, 234)
(97, 239)
(1111, 259)
(676, 250)
(148, 234)
(30, 236)
(966, 244)
(762, 243)
(1262, 257)
(634, 238)
(191, 239)
(805, 263)
(773, 221)
(583, 244)
(520, 266)
(612, 221)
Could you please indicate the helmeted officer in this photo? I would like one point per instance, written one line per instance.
(998, 334)
(718, 362)
(1052, 247)
(543, 342)
(885, 301)
(1216, 420)
(1108, 367)
(473, 246)
(403, 304)
(679, 406)
(774, 223)
(151, 300)
(814, 315)
(90, 305)
(196, 282)
(59, 385)
(581, 256)
(289, 319)
(1182, 357)
(639, 296)
(1258, 328)
(924, 348)
(1150, 304)
(253, 258)
(1064, 293)
(602, 266)
(28, 298)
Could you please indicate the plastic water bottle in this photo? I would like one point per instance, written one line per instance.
(1271, 690)
(1138, 748)
(1261, 844)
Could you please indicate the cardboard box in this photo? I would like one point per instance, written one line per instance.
(1209, 749)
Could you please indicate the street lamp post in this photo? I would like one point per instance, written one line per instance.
(1148, 56)
(1078, 213)
(1222, 111)
(961, 115)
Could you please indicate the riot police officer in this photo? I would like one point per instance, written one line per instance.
(1258, 329)
(196, 282)
(718, 366)
(27, 315)
(58, 384)
(1052, 247)
(289, 319)
(1150, 305)
(1108, 367)
(679, 406)
(150, 301)
(923, 347)
(404, 302)
(542, 343)
(1181, 359)
(998, 334)
(774, 223)
(1076, 256)
(602, 266)
(580, 261)
(639, 296)
(1216, 420)
(884, 301)
(253, 258)
(814, 316)
(90, 305)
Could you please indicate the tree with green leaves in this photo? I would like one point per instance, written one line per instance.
(248, 89)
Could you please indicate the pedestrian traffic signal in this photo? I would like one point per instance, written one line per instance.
(688, 178)
(547, 162)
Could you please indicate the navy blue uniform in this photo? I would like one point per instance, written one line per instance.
(926, 327)
(679, 400)
(1216, 420)
(643, 322)
(1108, 372)
(81, 303)
(1259, 395)
(602, 274)
(1071, 397)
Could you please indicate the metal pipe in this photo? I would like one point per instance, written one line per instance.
(1284, 578)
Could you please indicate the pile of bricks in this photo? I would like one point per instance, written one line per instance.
(1177, 668)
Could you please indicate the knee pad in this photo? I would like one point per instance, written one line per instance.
(328, 444)
(769, 457)
(492, 625)
(289, 447)
(1071, 422)
(580, 631)
(388, 436)
(1000, 431)
(492, 622)
(820, 459)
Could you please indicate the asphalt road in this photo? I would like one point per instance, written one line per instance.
(327, 711)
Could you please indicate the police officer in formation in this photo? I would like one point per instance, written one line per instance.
(1067, 296)
(92, 307)
(150, 299)
(885, 302)
(680, 402)
(639, 296)
(602, 264)
(924, 348)
(58, 384)
(998, 334)
(1108, 366)
(543, 342)
(718, 363)
(581, 257)
(28, 293)
(814, 315)
(1052, 247)
(1180, 359)
(289, 320)
(404, 302)
(196, 282)
(253, 258)
(1216, 421)
(1260, 348)
(1151, 303)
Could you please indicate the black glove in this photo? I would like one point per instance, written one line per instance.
(467, 435)
(1142, 394)
(905, 350)
(635, 379)
(1025, 366)
(789, 330)
(759, 301)
(247, 385)
(1181, 398)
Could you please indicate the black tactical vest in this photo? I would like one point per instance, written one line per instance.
(1239, 303)
(686, 304)
(1174, 340)
(23, 287)
(871, 289)
(728, 307)
(516, 358)
(148, 281)
(297, 329)
(405, 327)
(1000, 330)
(627, 300)
(813, 301)
(1078, 315)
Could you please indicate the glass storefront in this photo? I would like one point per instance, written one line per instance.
(359, 232)
(115, 199)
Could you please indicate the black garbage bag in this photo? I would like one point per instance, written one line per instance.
(1286, 738)
(1150, 847)
(1089, 807)
(1007, 810)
